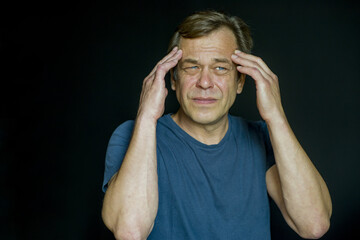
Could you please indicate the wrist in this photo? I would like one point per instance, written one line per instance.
(278, 126)
(277, 120)
(144, 120)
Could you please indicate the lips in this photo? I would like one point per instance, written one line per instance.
(202, 100)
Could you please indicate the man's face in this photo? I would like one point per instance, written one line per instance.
(207, 81)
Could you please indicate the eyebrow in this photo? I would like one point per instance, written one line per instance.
(194, 61)
(190, 60)
(222, 60)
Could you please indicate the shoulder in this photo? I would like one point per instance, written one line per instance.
(165, 124)
(125, 126)
(240, 123)
(122, 132)
(250, 128)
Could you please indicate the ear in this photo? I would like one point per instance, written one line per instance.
(172, 80)
(240, 83)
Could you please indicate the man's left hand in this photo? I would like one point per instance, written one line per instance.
(267, 86)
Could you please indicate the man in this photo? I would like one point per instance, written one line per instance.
(201, 173)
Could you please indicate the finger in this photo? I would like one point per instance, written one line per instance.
(148, 80)
(176, 57)
(163, 68)
(252, 72)
(256, 59)
(171, 54)
(248, 63)
(169, 63)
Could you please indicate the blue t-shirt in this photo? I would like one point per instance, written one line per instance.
(206, 191)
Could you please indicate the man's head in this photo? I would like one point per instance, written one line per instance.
(203, 23)
(206, 80)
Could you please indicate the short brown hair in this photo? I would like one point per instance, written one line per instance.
(203, 23)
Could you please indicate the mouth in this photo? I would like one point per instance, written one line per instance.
(201, 100)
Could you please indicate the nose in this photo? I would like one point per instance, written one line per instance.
(205, 80)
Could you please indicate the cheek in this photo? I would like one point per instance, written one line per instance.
(226, 85)
(228, 89)
(185, 85)
(181, 90)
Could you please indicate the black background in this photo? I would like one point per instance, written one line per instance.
(71, 73)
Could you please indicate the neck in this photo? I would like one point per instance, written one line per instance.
(211, 133)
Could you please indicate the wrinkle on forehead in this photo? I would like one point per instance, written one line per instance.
(218, 44)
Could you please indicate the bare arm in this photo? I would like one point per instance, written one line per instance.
(297, 187)
(131, 200)
(294, 183)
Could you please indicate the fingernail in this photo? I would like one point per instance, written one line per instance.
(237, 51)
(234, 56)
(175, 48)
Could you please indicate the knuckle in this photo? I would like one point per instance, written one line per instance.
(259, 60)
(264, 83)
(148, 78)
(254, 70)
(160, 67)
(267, 83)
(158, 63)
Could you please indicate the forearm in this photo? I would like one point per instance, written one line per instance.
(131, 201)
(306, 197)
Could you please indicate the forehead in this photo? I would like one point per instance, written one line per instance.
(219, 43)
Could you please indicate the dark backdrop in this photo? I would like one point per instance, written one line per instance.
(71, 73)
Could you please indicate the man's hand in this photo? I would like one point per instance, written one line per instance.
(267, 86)
(154, 92)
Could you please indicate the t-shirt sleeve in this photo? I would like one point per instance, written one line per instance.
(116, 150)
(270, 159)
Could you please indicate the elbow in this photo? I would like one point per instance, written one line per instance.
(124, 230)
(127, 234)
(316, 229)
(131, 232)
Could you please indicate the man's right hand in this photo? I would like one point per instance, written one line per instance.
(154, 92)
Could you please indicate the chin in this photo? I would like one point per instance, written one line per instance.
(206, 118)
